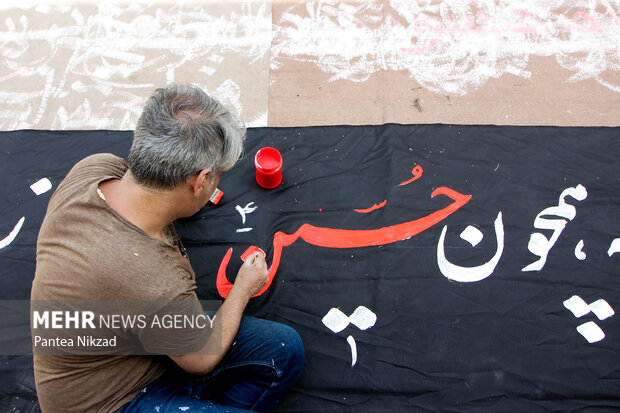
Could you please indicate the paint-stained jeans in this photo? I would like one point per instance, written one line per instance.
(264, 361)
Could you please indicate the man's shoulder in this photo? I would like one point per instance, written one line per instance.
(100, 161)
(93, 168)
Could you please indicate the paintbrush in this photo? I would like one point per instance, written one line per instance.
(216, 196)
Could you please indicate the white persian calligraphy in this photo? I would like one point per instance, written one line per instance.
(40, 187)
(600, 308)
(539, 244)
(13, 234)
(614, 247)
(243, 211)
(363, 318)
(579, 253)
(473, 236)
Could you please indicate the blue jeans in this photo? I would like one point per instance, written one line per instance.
(263, 362)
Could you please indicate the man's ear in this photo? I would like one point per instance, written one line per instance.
(199, 180)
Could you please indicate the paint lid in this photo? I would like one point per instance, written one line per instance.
(268, 160)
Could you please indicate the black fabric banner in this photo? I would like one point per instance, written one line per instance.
(426, 268)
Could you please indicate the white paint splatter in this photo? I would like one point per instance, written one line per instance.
(7, 240)
(41, 186)
(184, 408)
(453, 46)
(579, 251)
(353, 346)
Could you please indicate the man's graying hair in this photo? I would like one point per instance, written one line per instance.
(181, 131)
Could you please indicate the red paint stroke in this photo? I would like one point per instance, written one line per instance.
(345, 238)
(372, 208)
(251, 251)
(417, 172)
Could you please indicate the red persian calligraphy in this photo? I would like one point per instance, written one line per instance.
(346, 238)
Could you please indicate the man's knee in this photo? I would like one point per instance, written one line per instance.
(290, 351)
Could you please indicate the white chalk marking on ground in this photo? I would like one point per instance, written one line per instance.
(449, 47)
(115, 44)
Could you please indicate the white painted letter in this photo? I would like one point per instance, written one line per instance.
(471, 274)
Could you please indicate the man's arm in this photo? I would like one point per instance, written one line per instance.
(251, 278)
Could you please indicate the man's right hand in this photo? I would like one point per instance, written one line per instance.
(251, 278)
(252, 275)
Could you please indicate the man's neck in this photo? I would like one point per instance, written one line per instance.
(149, 209)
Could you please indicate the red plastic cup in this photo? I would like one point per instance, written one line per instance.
(268, 163)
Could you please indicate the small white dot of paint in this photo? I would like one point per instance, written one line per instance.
(136, 254)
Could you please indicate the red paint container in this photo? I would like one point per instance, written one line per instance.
(268, 163)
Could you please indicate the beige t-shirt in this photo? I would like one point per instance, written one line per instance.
(88, 251)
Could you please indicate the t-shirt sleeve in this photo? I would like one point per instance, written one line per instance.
(178, 327)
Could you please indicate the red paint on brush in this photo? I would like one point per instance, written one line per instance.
(251, 251)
